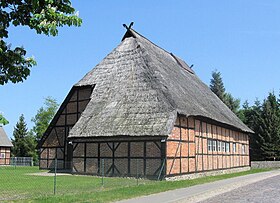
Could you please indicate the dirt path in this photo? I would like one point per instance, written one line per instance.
(47, 173)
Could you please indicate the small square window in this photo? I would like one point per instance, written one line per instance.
(214, 145)
(234, 147)
(243, 149)
(227, 147)
(210, 145)
(2, 156)
(223, 146)
(219, 146)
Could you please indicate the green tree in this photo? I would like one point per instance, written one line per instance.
(3, 120)
(269, 131)
(253, 120)
(264, 119)
(43, 117)
(232, 103)
(251, 116)
(217, 85)
(44, 16)
(24, 144)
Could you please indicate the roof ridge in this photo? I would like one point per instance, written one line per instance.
(148, 40)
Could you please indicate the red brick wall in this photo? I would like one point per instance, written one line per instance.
(6, 151)
(180, 147)
(187, 147)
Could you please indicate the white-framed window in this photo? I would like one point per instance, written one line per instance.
(223, 146)
(210, 142)
(219, 146)
(234, 147)
(227, 147)
(243, 149)
(214, 145)
(2, 155)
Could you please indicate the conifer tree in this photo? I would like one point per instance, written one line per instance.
(24, 143)
(264, 119)
(217, 85)
(269, 131)
(232, 103)
(251, 116)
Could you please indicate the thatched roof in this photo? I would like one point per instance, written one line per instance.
(4, 140)
(141, 88)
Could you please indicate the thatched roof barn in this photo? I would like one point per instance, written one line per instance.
(140, 92)
(139, 89)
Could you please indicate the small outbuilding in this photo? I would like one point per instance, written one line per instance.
(5, 147)
(144, 111)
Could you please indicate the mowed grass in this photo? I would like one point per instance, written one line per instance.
(28, 182)
(17, 185)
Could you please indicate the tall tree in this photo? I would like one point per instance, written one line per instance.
(44, 16)
(217, 85)
(269, 131)
(43, 117)
(24, 143)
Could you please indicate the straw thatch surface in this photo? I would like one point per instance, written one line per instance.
(139, 90)
(4, 140)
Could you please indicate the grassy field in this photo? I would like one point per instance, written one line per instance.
(19, 185)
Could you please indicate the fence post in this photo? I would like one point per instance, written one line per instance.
(137, 172)
(102, 171)
(15, 162)
(54, 180)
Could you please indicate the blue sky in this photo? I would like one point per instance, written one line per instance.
(239, 38)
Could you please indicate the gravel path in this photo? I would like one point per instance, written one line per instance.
(203, 192)
(267, 191)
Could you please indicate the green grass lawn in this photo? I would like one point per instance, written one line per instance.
(21, 183)
(18, 185)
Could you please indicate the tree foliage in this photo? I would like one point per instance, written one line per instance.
(24, 144)
(269, 131)
(217, 86)
(44, 16)
(251, 115)
(232, 103)
(3, 120)
(43, 117)
(264, 119)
